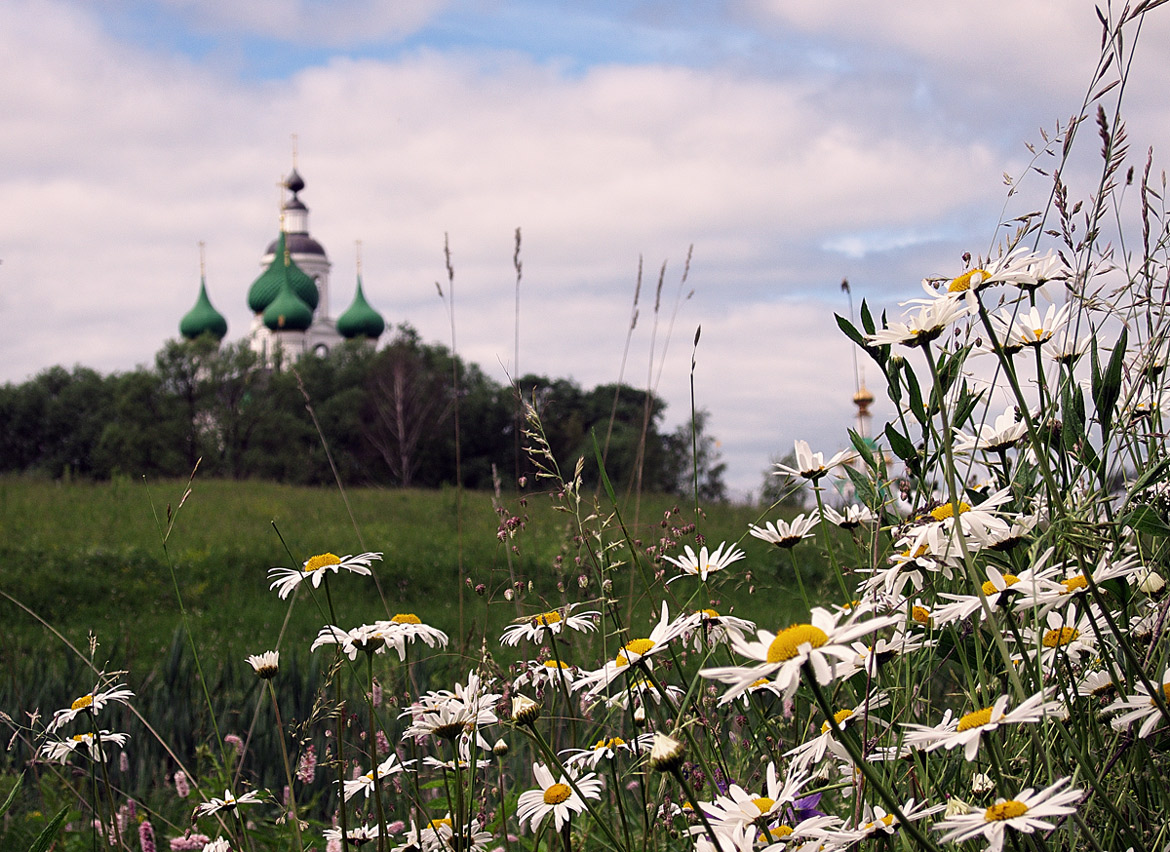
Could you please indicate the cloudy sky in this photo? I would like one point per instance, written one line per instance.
(793, 143)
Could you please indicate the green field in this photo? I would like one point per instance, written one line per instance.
(91, 557)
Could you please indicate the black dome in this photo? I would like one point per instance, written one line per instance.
(298, 244)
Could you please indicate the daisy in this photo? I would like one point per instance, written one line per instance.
(606, 749)
(876, 820)
(1098, 685)
(556, 797)
(1140, 706)
(740, 807)
(707, 625)
(785, 534)
(812, 466)
(448, 714)
(1030, 329)
(925, 325)
(851, 517)
(705, 563)
(1025, 813)
(369, 638)
(265, 665)
(61, 750)
(633, 652)
(813, 751)
(939, 528)
(284, 580)
(967, 730)
(359, 836)
(220, 844)
(822, 644)
(91, 703)
(1064, 634)
(640, 691)
(229, 802)
(365, 783)
(1003, 434)
(406, 627)
(534, 627)
(547, 674)
(1027, 588)
(438, 835)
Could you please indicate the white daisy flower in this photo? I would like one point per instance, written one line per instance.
(357, 836)
(1141, 706)
(709, 627)
(640, 691)
(1065, 633)
(448, 714)
(922, 326)
(60, 750)
(875, 820)
(740, 807)
(607, 748)
(406, 627)
(365, 783)
(284, 580)
(966, 730)
(812, 466)
(229, 802)
(704, 563)
(438, 835)
(368, 638)
(1031, 329)
(555, 796)
(534, 627)
(822, 643)
(547, 674)
(1098, 685)
(220, 844)
(995, 437)
(851, 517)
(265, 665)
(979, 525)
(633, 652)
(786, 534)
(91, 703)
(1027, 589)
(1026, 813)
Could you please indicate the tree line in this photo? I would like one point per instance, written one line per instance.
(409, 414)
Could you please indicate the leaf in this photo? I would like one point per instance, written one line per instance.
(850, 332)
(867, 318)
(1146, 520)
(1106, 387)
(45, 838)
(916, 406)
(863, 449)
(1150, 477)
(901, 445)
(11, 796)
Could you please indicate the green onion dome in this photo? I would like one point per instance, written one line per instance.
(288, 311)
(359, 319)
(203, 318)
(265, 288)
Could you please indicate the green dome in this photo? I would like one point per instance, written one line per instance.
(359, 319)
(203, 318)
(288, 312)
(265, 288)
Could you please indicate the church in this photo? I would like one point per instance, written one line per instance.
(289, 300)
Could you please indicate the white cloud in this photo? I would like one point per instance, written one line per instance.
(119, 160)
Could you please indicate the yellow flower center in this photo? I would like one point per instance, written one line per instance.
(556, 794)
(437, 823)
(555, 664)
(637, 647)
(922, 615)
(406, 618)
(612, 742)
(947, 510)
(1039, 332)
(321, 561)
(80, 738)
(82, 702)
(887, 821)
(975, 720)
(546, 618)
(764, 804)
(1165, 693)
(963, 283)
(1005, 810)
(1063, 636)
(758, 682)
(788, 641)
(710, 613)
(780, 832)
(839, 717)
(1072, 584)
(1008, 580)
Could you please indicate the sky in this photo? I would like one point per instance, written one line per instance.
(783, 145)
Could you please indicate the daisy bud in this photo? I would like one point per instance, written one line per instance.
(1151, 582)
(957, 807)
(265, 665)
(981, 783)
(665, 753)
(640, 716)
(525, 711)
(508, 594)
(500, 749)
